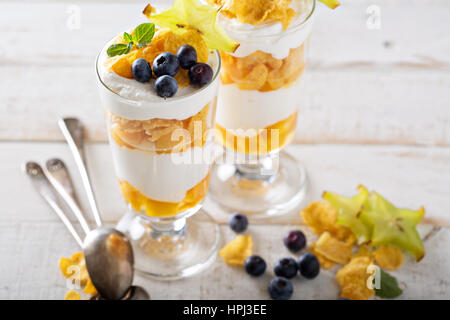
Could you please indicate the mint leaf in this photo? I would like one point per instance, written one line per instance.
(388, 286)
(119, 48)
(127, 37)
(143, 34)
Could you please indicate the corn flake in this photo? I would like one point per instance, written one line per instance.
(364, 251)
(352, 279)
(75, 267)
(324, 262)
(236, 251)
(72, 295)
(257, 11)
(321, 217)
(333, 249)
(388, 257)
(89, 288)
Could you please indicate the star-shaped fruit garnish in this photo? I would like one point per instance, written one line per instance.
(331, 3)
(392, 225)
(192, 14)
(349, 210)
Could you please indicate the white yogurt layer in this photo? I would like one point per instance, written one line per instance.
(252, 109)
(271, 38)
(130, 99)
(158, 176)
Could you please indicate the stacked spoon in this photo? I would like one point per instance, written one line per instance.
(107, 251)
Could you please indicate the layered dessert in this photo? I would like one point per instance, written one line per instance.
(261, 82)
(159, 98)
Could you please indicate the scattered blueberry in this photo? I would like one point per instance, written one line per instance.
(200, 74)
(295, 240)
(286, 267)
(141, 70)
(280, 288)
(166, 64)
(166, 86)
(187, 56)
(308, 265)
(255, 266)
(238, 222)
(341, 298)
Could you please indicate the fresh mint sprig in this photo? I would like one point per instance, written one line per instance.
(142, 36)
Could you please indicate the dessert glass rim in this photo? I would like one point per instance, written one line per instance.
(291, 28)
(173, 99)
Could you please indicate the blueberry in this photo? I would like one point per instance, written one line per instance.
(187, 56)
(295, 240)
(238, 222)
(280, 288)
(308, 265)
(166, 64)
(255, 266)
(166, 86)
(341, 298)
(141, 70)
(200, 74)
(286, 267)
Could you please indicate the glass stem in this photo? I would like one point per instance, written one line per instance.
(167, 229)
(261, 167)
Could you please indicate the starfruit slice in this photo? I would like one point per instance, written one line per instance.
(394, 226)
(333, 4)
(192, 14)
(349, 211)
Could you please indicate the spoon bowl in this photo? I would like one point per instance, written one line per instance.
(109, 260)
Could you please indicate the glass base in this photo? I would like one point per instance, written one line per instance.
(171, 249)
(258, 195)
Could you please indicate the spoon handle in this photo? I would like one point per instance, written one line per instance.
(60, 179)
(72, 130)
(46, 190)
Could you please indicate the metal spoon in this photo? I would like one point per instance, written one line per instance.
(115, 282)
(135, 293)
(108, 253)
(72, 130)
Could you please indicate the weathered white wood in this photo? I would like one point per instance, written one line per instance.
(30, 253)
(410, 31)
(367, 94)
(408, 176)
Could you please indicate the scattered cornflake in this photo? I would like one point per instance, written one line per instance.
(89, 288)
(324, 262)
(333, 249)
(352, 279)
(388, 257)
(237, 250)
(72, 295)
(364, 251)
(321, 217)
(75, 268)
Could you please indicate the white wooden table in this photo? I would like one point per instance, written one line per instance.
(378, 113)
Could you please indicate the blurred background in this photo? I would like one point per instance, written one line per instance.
(379, 69)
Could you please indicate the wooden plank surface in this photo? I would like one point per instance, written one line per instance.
(391, 87)
(32, 269)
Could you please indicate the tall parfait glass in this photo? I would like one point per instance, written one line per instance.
(161, 153)
(259, 99)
